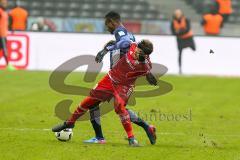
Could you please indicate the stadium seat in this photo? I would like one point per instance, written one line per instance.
(201, 6)
(35, 13)
(47, 13)
(85, 14)
(74, 6)
(49, 4)
(72, 14)
(89, 8)
(61, 5)
(59, 13)
(125, 7)
(35, 4)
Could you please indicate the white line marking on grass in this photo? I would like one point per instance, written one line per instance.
(112, 132)
(26, 129)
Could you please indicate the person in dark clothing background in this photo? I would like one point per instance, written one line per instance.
(181, 28)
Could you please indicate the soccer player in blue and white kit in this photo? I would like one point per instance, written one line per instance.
(117, 49)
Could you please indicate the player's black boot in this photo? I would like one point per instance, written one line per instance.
(61, 127)
(149, 129)
(151, 133)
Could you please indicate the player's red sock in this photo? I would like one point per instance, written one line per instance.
(76, 114)
(126, 122)
(81, 109)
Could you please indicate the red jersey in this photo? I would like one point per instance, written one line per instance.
(127, 70)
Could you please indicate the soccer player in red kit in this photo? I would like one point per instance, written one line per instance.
(118, 83)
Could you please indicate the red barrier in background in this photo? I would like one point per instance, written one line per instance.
(133, 26)
(18, 51)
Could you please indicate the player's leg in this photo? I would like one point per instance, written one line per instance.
(120, 109)
(5, 54)
(125, 120)
(193, 45)
(180, 60)
(96, 121)
(84, 106)
(102, 91)
(96, 124)
(149, 129)
(180, 46)
(81, 109)
(3, 48)
(136, 120)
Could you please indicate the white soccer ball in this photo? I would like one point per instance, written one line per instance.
(64, 135)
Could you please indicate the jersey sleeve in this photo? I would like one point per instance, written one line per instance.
(148, 65)
(122, 38)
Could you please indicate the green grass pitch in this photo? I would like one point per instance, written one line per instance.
(212, 133)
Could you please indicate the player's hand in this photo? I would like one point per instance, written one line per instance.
(100, 55)
(151, 79)
(110, 43)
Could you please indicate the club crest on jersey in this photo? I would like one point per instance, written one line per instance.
(121, 33)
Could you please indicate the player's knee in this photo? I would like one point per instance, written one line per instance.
(133, 115)
(117, 110)
(88, 102)
(124, 117)
(120, 110)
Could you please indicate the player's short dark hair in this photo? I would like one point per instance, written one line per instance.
(146, 46)
(113, 15)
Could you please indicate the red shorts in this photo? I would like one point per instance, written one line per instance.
(107, 89)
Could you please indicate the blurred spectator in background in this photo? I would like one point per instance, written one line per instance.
(212, 22)
(18, 18)
(3, 32)
(224, 8)
(181, 28)
(44, 25)
(39, 25)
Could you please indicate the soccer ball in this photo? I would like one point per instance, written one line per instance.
(64, 135)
